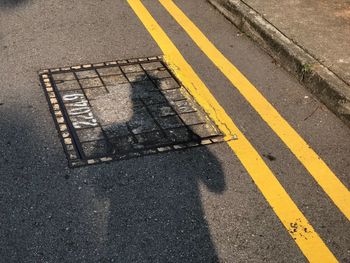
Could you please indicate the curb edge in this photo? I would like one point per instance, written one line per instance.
(321, 81)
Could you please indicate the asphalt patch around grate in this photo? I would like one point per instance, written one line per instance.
(123, 109)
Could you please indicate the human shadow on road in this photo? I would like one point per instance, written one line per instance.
(155, 211)
(147, 209)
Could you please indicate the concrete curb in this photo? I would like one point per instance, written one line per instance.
(321, 81)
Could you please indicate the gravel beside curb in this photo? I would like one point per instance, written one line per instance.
(321, 81)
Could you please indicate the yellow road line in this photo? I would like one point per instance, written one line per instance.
(291, 217)
(319, 170)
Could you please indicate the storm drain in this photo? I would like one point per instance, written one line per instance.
(122, 109)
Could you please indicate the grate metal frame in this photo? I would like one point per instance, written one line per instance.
(68, 134)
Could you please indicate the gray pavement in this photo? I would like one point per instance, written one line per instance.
(308, 39)
(197, 205)
(321, 27)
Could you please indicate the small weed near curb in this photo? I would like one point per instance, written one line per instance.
(305, 69)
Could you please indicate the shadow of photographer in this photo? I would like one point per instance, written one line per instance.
(155, 211)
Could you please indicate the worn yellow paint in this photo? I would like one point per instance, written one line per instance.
(291, 217)
(319, 170)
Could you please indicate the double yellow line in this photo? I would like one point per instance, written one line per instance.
(308, 241)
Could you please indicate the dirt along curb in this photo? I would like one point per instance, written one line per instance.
(320, 80)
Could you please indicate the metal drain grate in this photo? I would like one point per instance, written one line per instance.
(122, 109)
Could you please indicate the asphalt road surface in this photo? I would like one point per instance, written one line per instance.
(226, 202)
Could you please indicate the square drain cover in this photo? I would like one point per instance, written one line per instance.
(122, 109)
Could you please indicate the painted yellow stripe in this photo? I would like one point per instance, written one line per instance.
(292, 218)
(319, 170)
